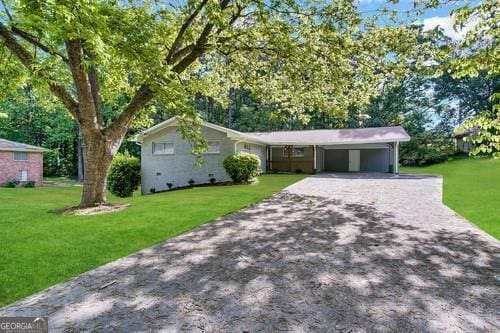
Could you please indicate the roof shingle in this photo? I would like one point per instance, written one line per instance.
(333, 136)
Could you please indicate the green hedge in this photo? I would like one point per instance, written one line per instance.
(242, 167)
(124, 175)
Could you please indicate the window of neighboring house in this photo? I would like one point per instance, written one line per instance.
(163, 148)
(20, 156)
(22, 175)
(213, 147)
(296, 152)
(246, 147)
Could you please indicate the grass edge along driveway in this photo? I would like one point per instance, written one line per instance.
(471, 187)
(39, 249)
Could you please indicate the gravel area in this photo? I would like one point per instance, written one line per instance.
(331, 253)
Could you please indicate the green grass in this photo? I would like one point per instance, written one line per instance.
(471, 187)
(39, 249)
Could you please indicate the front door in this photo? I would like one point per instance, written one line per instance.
(354, 160)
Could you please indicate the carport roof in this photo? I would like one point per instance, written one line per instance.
(333, 136)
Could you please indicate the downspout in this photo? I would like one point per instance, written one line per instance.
(235, 145)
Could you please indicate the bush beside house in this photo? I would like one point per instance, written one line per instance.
(124, 175)
(425, 149)
(242, 167)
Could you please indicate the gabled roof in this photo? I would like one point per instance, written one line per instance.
(174, 121)
(302, 137)
(7, 145)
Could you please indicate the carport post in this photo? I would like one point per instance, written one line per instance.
(314, 158)
(289, 155)
(396, 158)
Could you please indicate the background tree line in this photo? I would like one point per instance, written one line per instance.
(429, 108)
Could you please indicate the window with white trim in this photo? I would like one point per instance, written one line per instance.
(213, 147)
(20, 156)
(296, 152)
(22, 175)
(163, 148)
(246, 147)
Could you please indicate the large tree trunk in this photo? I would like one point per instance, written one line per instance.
(101, 141)
(79, 147)
(98, 154)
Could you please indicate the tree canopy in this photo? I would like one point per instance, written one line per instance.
(294, 55)
(111, 63)
(480, 52)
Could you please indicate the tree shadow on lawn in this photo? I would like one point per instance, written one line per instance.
(292, 263)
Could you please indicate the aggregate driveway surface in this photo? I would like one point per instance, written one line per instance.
(333, 252)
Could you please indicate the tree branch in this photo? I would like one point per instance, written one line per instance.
(181, 53)
(119, 127)
(17, 49)
(65, 97)
(178, 39)
(196, 51)
(7, 11)
(199, 45)
(35, 42)
(27, 60)
(95, 90)
(82, 83)
(96, 95)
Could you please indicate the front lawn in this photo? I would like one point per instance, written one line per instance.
(39, 249)
(471, 188)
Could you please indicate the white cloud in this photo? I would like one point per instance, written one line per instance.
(446, 23)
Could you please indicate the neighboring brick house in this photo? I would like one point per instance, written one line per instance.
(21, 161)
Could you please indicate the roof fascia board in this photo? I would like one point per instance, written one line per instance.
(25, 150)
(233, 134)
(276, 143)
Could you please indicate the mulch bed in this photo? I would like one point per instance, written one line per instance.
(101, 209)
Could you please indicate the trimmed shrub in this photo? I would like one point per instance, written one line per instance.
(425, 149)
(30, 183)
(242, 167)
(124, 175)
(12, 182)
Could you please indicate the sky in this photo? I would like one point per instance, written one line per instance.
(430, 19)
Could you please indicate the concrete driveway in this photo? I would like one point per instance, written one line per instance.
(333, 252)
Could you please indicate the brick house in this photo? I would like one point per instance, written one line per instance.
(21, 161)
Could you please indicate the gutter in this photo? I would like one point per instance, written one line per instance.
(298, 143)
(22, 150)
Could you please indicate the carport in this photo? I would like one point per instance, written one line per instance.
(374, 149)
(358, 158)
